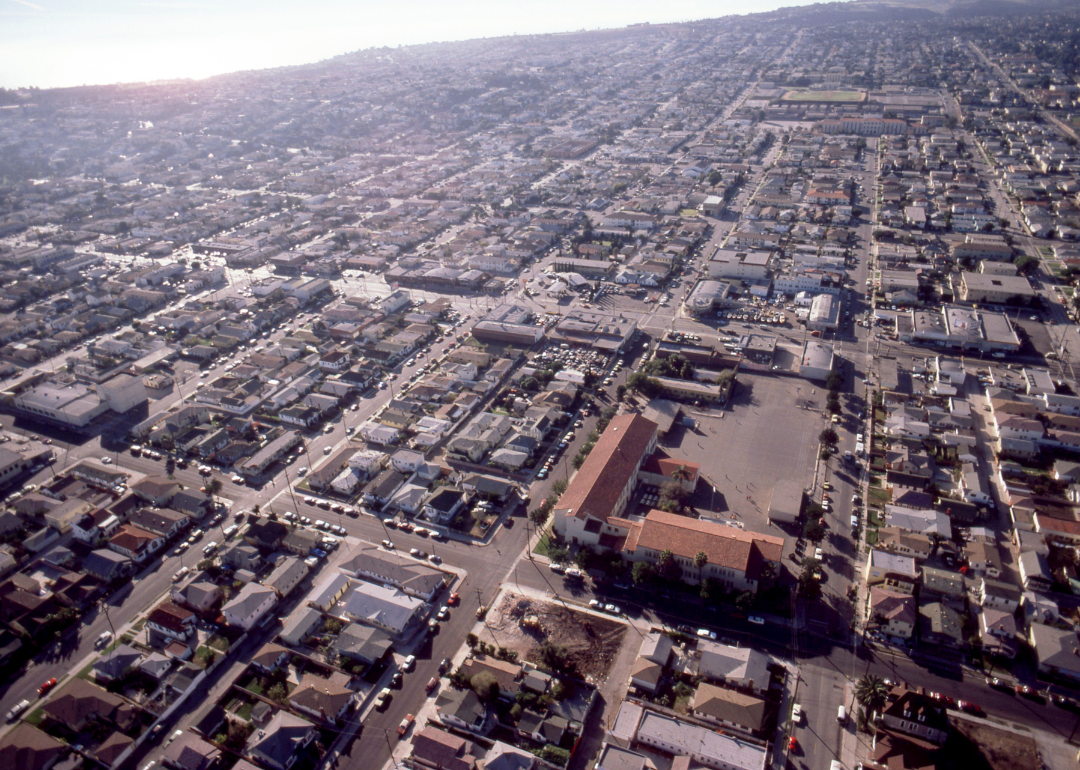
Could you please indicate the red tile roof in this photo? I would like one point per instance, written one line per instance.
(596, 487)
(725, 546)
(660, 463)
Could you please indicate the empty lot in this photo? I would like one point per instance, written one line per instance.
(768, 433)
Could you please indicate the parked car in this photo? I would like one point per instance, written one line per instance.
(47, 685)
(406, 723)
(705, 633)
(17, 709)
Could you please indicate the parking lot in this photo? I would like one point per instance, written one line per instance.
(759, 440)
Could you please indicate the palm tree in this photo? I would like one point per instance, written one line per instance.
(872, 692)
(700, 560)
(681, 474)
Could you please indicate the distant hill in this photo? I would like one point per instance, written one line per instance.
(915, 10)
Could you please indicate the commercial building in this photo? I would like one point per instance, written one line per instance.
(601, 488)
(741, 265)
(824, 313)
(996, 289)
(736, 558)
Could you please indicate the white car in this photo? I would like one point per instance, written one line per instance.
(818, 553)
(320, 524)
(106, 461)
(705, 633)
(17, 709)
(237, 478)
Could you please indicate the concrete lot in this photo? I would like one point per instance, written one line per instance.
(763, 436)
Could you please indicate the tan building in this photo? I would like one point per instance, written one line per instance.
(997, 289)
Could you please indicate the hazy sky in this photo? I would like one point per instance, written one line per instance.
(50, 43)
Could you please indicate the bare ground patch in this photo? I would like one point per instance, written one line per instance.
(984, 747)
(592, 643)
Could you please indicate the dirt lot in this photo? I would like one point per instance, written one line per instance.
(592, 643)
(982, 746)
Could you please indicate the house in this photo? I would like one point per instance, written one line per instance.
(288, 574)
(324, 699)
(200, 595)
(190, 752)
(79, 702)
(653, 657)
(248, 607)
(891, 570)
(439, 750)
(464, 710)
(444, 504)
(171, 621)
(385, 608)
(942, 585)
(28, 748)
(996, 594)
(163, 522)
(1057, 650)
(728, 708)
(414, 578)
(269, 657)
(106, 565)
(738, 667)
(381, 488)
(916, 714)
(156, 490)
(602, 486)
(894, 612)
(505, 674)
(983, 558)
(242, 556)
(265, 534)
(940, 625)
(542, 728)
(363, 644)
(301, 541)
(997, 630)
(136, 543)
(277, 745)
(302, 627)
(115, 663)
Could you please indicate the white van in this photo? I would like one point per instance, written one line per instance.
(230, 531)
(841, 715)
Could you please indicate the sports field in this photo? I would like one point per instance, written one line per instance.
(804, 95)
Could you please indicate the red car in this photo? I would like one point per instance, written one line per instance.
(454, 600)
(46, 686)
(792, 744)
(970, 708)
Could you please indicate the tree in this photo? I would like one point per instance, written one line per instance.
(213, 486)
(834, 381)
(620, 392)
(471, 640)
(558, 487)
(700, 560)
(170, 467)
(815, 531)
(744, 601)
(672, 497)
(485, 686)
(667, 566)
(872, 692)
(829, 437)
(551, 656)
(278, 693)
(642, 572)
(809, 585)
(538, 516)
(832, 403)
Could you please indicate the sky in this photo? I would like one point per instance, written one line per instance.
(53, 43)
